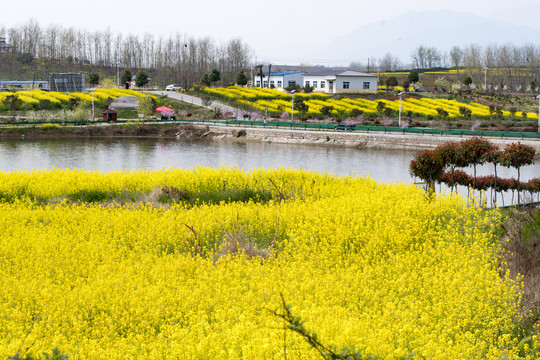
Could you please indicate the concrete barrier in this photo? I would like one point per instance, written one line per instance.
(349, 139)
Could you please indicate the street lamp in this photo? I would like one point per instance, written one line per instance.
(485, 79)
(292, 110)
(93, 109)
(538, 97)
(399, 118)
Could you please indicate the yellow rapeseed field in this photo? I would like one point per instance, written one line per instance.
(277, 101)
(33, 97)
(373, 266)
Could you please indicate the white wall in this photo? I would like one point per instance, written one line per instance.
(299, 78)
(356, 82)
(319, 79)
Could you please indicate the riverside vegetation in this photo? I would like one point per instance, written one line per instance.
(197, 263)
(49, 107)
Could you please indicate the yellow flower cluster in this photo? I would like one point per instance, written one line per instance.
(81, 96)
(40, 95)
(369, 265)
(278, 101)
(33, 97)
(238, 92)
(395, 88)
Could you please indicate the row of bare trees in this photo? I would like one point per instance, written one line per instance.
(185, 58)
(502, 68)
(508, 67)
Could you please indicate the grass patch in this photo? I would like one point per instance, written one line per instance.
(165, 195)
(89, 196)
(522, 254)
(170, 195)
(531, 230)
(127, 114)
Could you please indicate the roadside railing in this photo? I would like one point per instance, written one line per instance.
(301, 126)
(363, 128)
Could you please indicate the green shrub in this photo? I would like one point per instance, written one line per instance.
(326, 110)
(147, 106)
(81, 114)
(12, 102)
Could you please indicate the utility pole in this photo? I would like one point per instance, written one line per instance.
(485, 79)
(93, 109)
(292, 102)
(252, 78)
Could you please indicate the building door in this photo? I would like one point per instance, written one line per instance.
(331, 87)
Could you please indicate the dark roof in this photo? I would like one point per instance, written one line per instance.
(291, 68)
(337, 72)
(4, 44)
(283, 73)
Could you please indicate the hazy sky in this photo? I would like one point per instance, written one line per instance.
(281, 31)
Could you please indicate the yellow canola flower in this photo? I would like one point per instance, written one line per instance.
(275, 100)
(367, 265)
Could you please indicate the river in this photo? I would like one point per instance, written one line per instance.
(142, 153)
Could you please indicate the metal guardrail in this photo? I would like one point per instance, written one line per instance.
(303, 126)
(362, 128)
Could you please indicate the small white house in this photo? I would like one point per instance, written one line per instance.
(279, 80)
(336, 81)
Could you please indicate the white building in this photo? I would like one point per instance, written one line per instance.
(336, 81)
(279, 80)
(330, 81)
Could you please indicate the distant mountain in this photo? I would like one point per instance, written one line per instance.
(522, 15)
(442, 29)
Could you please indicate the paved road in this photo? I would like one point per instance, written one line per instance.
(198, 101)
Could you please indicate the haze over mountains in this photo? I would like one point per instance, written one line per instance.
(441, 29)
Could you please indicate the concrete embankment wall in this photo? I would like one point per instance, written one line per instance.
(350, 139)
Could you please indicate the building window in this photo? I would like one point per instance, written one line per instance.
(265, 84)
(292, 83)
(314, 84)
(323, 84)
(346, 84)
(258, 83)
(272, 84)
(366, 84)
(279, 84)
(307, 83)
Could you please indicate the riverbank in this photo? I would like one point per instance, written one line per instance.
(371, 140)
(356, 139)
(168, 130)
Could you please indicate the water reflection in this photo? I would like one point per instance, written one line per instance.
(117, 154)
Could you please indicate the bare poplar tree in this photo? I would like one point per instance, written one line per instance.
(389, 62)
(456, 57)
